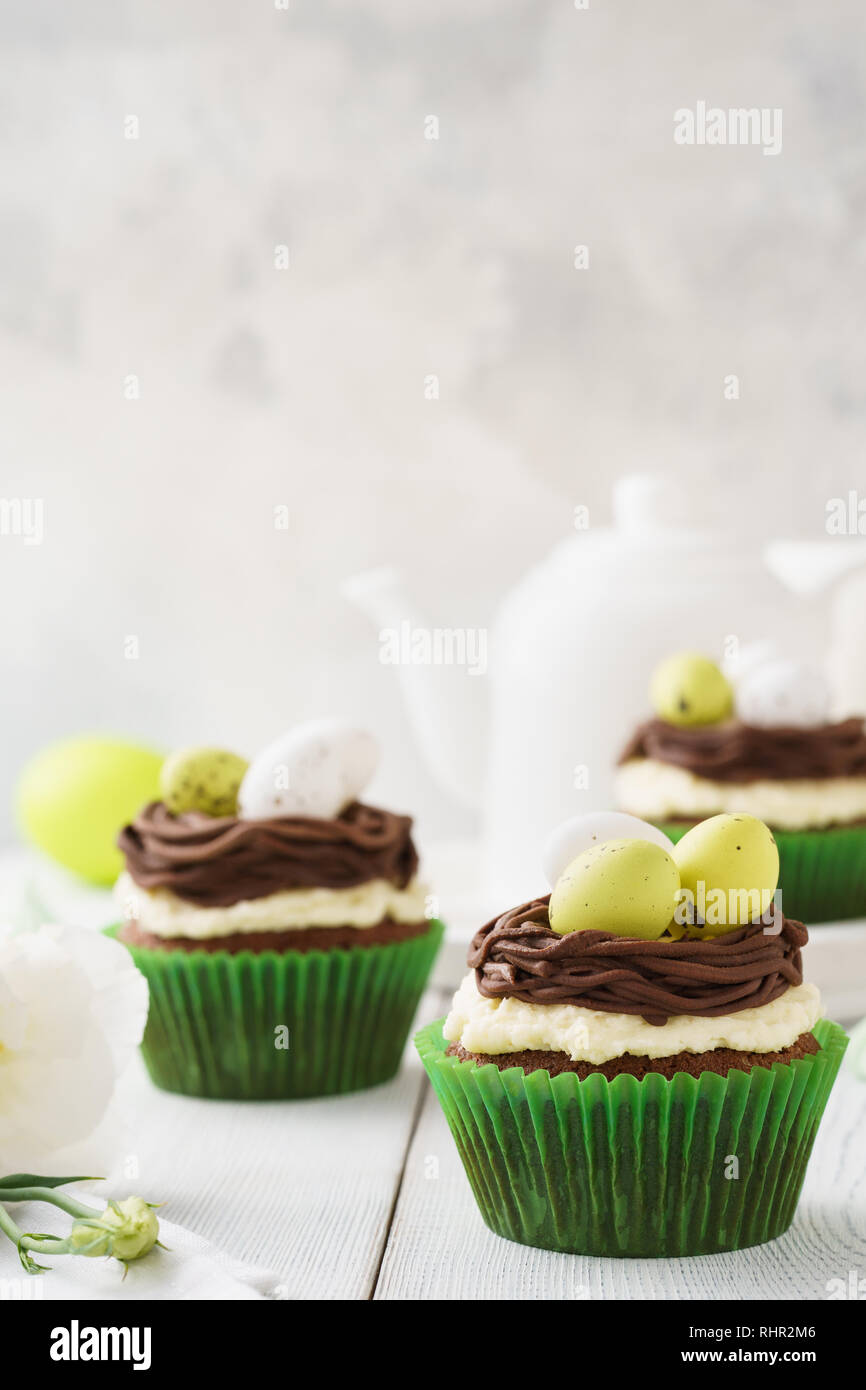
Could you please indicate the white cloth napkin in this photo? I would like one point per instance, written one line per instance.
(190, 1268)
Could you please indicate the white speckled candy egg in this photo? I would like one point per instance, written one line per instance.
(783, 692)
(581, 833)
(359, 751)
(316, 769)
(747, 657)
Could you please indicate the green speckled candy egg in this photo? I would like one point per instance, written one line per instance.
(628, 887)
(689, 689)
(202, 779)
(75, 796)
(736, 856)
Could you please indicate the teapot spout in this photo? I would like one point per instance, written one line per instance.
(441, 673)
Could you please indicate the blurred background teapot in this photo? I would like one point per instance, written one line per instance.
(525, 723)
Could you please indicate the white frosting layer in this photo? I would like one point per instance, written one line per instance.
(658, 791)
(164, 914)
(508, 1025)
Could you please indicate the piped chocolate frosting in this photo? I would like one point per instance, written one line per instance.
(519, 956)
(735, 752)
(213, 862)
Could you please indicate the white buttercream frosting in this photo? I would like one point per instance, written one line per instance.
(493, 1026)
(658, 791)
(165, 914)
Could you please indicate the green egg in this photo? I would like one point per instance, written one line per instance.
(202, 779)
(690, 689)
(75, 796)
(730, 864)
(628, 887)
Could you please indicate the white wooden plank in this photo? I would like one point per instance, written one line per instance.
(439, 1248)
(305, 1188)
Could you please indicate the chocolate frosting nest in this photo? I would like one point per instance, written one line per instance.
(518, 956)
(735, 752)
(213, 862)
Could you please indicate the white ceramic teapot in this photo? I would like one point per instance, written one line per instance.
(535, 737)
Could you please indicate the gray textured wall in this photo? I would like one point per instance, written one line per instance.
(259, 387)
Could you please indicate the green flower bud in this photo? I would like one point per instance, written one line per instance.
(88, 1238)
(127, 1230)
(136, 1228)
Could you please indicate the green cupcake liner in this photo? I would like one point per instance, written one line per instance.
(822, 873)
(635, 1168)
(275, 1025)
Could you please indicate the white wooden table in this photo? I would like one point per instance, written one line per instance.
(364, 1197)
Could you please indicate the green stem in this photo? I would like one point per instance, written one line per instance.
(49, 1245)
(8, 1227)
(41, 1245)
(50, 1194)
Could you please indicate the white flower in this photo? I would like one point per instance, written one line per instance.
(72, 1012)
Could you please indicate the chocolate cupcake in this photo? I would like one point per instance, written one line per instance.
(618, 1086)
(280, 921)
(767, 749)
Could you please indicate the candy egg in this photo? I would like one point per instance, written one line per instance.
(202, 779)
(75, 796)
(783, 692)
(627, 887)
(580, 833)
(747, 657)
(359, 751)
(689, 689)
(315, 770)
(730, 867)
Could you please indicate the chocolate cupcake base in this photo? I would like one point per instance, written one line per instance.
(292, 939)
(720, 1061)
